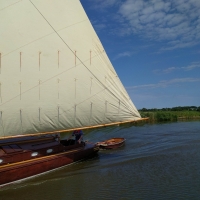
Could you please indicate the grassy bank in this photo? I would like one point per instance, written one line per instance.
(161, 116)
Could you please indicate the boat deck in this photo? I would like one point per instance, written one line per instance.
(34, 147)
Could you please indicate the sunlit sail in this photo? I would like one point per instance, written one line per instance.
(54, 72)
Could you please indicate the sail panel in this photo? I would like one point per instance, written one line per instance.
(54, 72)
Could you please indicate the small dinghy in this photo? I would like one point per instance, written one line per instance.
(112, 143)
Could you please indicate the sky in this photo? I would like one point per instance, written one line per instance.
(154, 46)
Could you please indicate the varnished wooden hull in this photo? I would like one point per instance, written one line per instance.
(20, 170)
(112, 143)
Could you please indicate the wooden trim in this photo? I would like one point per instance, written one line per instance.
(78, 128)
(28, 140)
(40, 158)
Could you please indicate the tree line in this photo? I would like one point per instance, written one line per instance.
(179, 108)
(171, 114)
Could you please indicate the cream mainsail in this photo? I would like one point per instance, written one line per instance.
(54, 72)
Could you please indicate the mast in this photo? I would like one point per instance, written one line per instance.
(54, 72)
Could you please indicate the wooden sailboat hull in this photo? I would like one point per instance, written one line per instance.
(112, 143)
(20, 170)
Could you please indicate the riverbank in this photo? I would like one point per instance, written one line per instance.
(161, 116)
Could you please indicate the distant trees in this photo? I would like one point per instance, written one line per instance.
(171, 114)
(179, 108)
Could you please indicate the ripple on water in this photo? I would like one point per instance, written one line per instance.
(160, 161)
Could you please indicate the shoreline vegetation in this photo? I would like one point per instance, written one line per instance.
(171, 114)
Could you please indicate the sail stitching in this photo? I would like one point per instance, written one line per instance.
(74, 53)
(44, 81)
(61, 38)
(11, 5)
(41, 38)
(105, 60)
(75, 107)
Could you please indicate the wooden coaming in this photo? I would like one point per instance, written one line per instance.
(11, 153)
(20, 170)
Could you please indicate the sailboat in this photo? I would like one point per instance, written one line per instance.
(55, 77)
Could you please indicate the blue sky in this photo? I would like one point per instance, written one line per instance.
(154, 45)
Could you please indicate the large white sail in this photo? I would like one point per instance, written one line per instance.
(54, 72)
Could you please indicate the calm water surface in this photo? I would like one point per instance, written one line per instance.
(159, 161)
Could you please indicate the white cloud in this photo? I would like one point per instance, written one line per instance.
(101, 4)
(124, 54)
(164, 83)
(190, 67)
(176, 22)
(99, 26)
(171, 20)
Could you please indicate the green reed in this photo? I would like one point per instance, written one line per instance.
(161, 116)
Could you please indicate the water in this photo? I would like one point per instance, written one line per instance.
(159, 161)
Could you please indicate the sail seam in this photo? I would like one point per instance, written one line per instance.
(75, 53)
(10, 5)
(40, 82)
(41, 38)
(75, 108)
(105, 61)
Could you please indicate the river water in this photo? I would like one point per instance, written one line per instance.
(158, 161)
